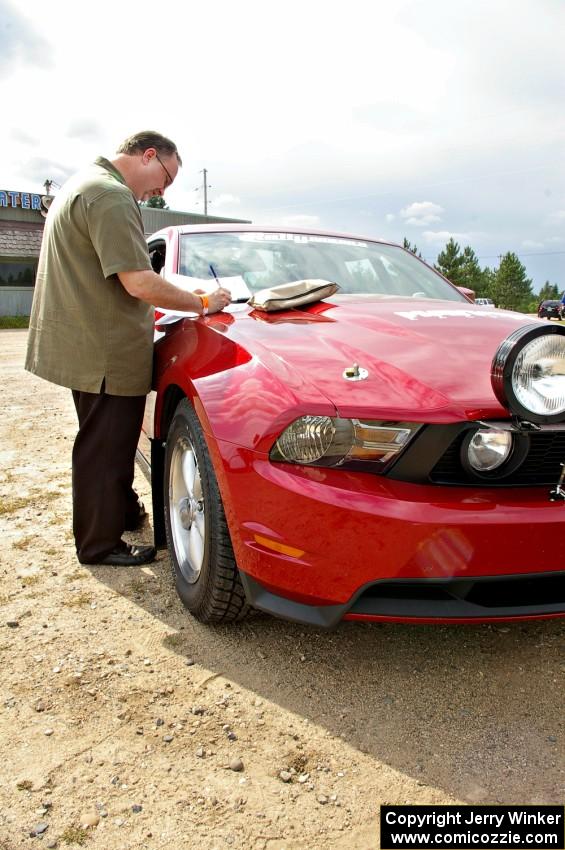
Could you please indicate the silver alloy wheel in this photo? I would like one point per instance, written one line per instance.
(186, 510)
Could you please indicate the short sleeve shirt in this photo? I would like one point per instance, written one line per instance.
(85, 328)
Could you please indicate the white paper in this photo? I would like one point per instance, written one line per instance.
(236, 285)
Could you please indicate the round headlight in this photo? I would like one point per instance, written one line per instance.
(528, 373)
(487, 450)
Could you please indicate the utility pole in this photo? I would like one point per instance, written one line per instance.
(49, 184)
(206, 186)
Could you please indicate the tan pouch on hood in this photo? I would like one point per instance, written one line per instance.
(295, 294)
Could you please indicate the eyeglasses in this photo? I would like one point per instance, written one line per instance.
(166, 170)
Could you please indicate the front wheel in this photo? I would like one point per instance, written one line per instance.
(202, 559)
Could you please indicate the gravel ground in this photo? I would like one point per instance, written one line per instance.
(126, 724)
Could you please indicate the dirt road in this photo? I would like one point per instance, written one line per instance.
(126, 724)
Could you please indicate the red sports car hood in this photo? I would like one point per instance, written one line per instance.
(426, 360)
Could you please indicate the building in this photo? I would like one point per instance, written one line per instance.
(154, 219)
(22, 217)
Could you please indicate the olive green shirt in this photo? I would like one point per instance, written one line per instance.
(85, 328)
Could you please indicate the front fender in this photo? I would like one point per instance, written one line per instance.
(238, 398)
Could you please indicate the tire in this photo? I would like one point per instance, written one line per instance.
(202, 559)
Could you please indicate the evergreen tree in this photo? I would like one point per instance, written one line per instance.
(471, 274)
(450, 263)
(413, 248)
(488, 278)
(511, 288)
(549, 292)
(462, 268)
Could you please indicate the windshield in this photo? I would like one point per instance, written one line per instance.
(260, 260)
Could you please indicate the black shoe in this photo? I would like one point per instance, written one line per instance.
(136, 521)
(126, 555)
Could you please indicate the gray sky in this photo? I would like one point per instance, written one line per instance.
(416, 118)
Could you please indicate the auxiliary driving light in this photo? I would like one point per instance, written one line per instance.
(528, 373)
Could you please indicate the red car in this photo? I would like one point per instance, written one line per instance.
(392, 452)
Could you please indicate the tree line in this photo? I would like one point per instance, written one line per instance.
(508, 285)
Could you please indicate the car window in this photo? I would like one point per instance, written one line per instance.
(269, 259)
(157, 252)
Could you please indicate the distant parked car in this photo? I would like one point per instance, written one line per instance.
(484, 302)
(549, 310)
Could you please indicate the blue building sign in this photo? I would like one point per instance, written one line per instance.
(25, 200)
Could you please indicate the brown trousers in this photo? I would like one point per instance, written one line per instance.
(103, 470)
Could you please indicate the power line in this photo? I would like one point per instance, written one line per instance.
(417, 188)
(518, 254)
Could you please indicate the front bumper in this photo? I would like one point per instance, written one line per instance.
(427, 601)
(359, 538)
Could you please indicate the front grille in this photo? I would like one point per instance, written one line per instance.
(541, 466)
(492, 596)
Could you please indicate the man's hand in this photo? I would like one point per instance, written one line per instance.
(218, 300)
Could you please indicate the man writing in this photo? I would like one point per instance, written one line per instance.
(91, 329)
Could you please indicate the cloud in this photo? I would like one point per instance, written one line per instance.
(300, 220)
(557, 216)
(487, 65)
(40, 169)
(441, 236)
(421, 213)
(19, 42)
(389, 116)
(85, 128)
(225, 200)
(390, 217)
(23, 138)
(530, 243)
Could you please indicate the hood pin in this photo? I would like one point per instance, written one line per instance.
(355, 373)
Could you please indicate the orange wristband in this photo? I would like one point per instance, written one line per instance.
(204, 299)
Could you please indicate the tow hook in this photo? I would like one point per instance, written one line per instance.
(558, 495)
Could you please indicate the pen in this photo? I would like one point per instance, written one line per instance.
(215, 276)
